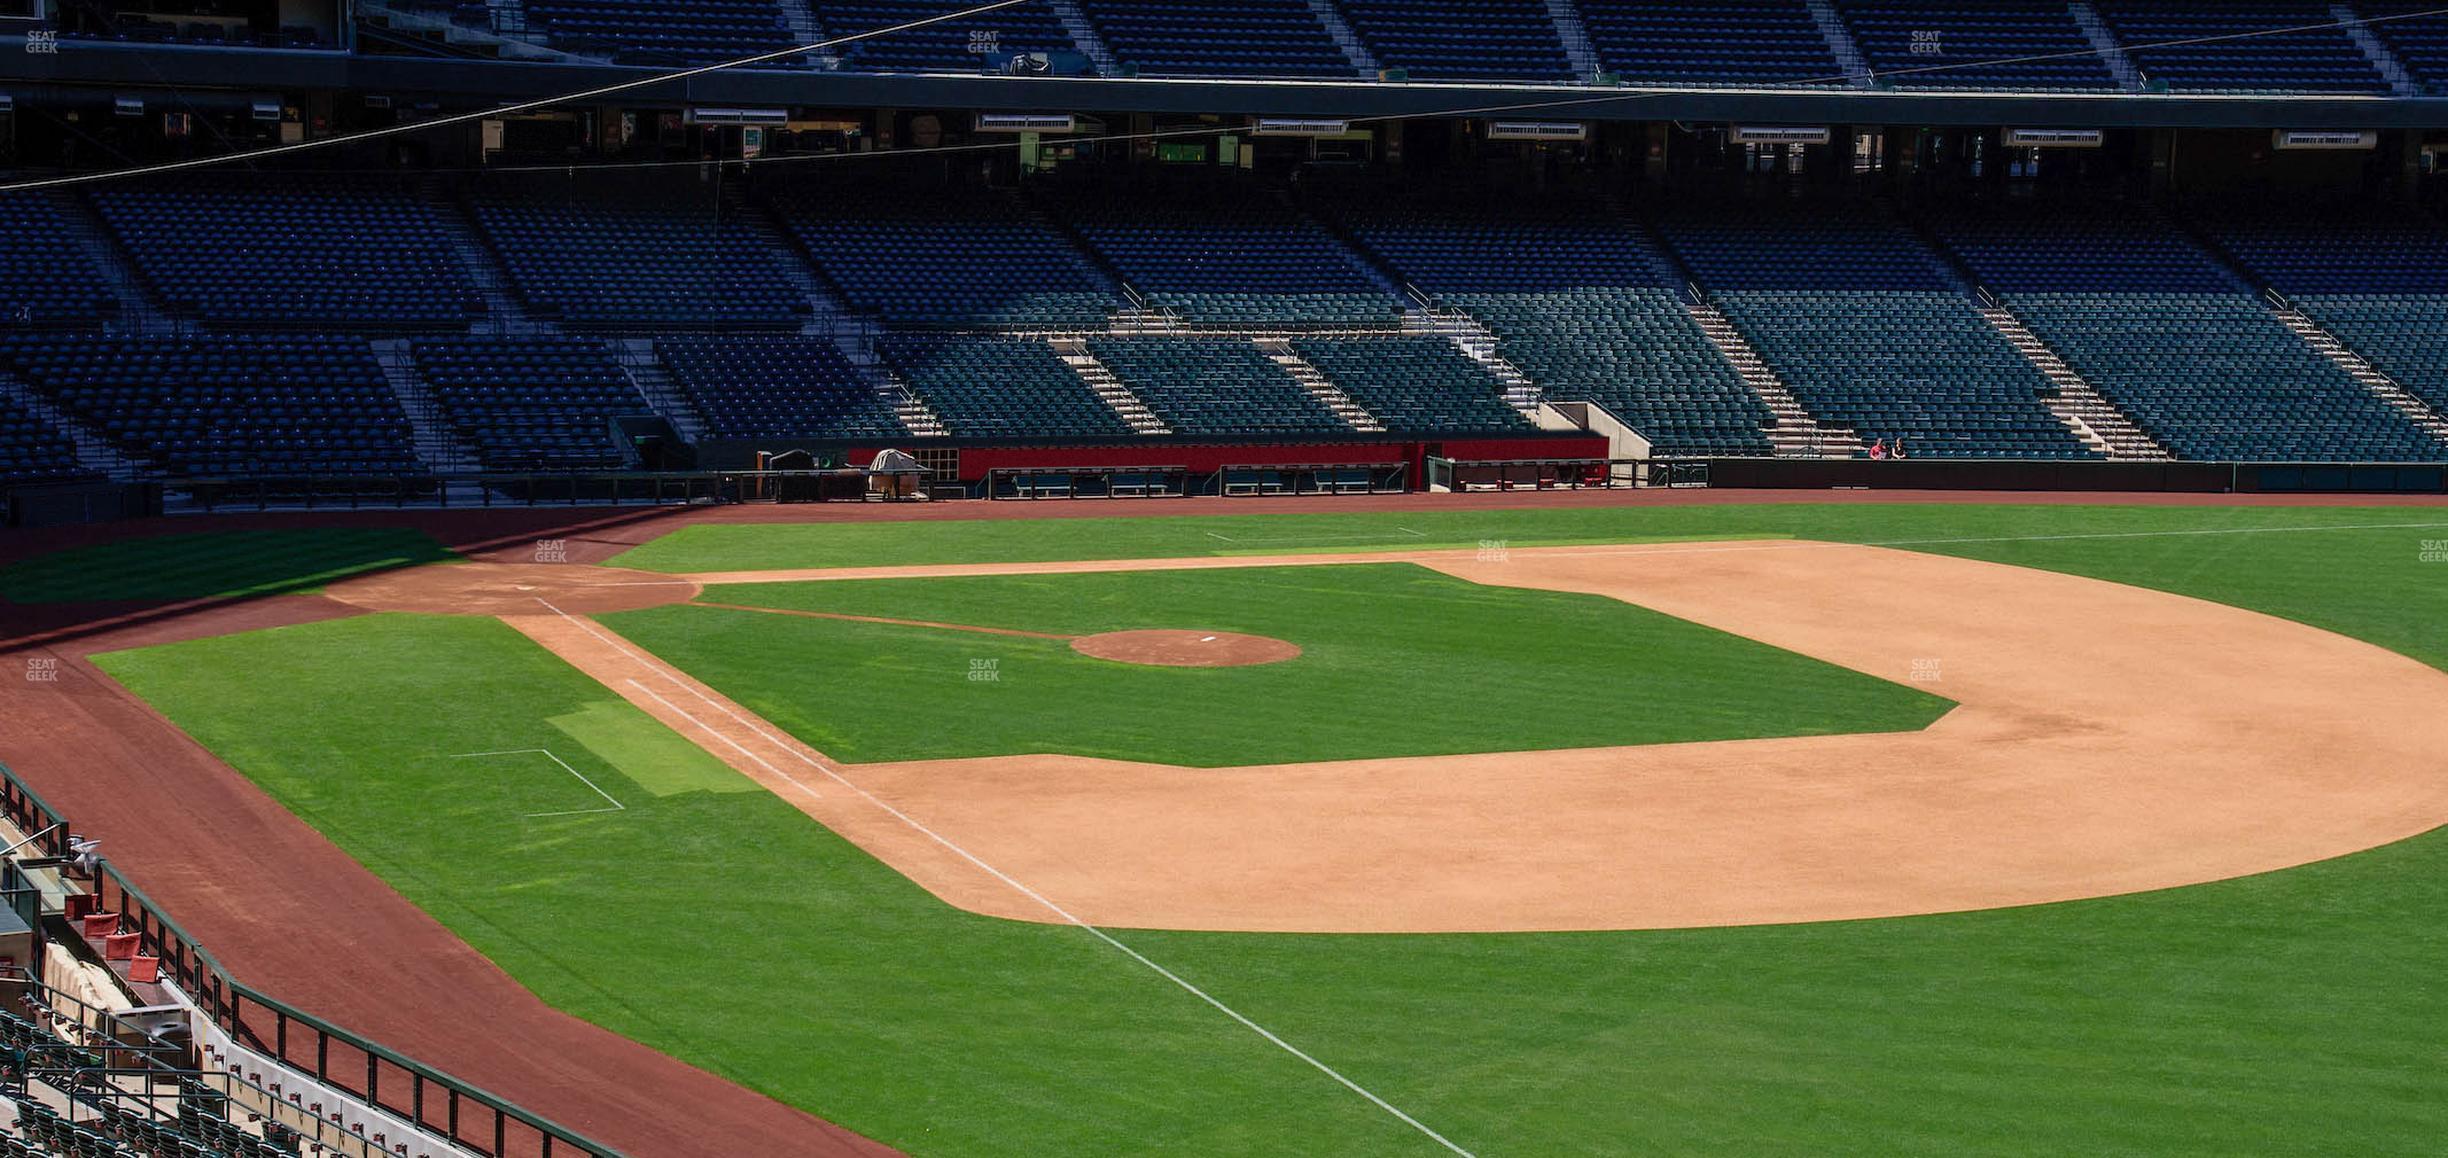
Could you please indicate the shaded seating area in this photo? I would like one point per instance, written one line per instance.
(531, 403)
(1229, 254)
(1710, 42)
(1215, 386)
(280, 251)
(665, 32)
(45, 282)
(1247, 38)
(220, 406)
(32, 452)
(635, 256)
(777, 388)
(1579, 301)
(2295, 46)
(1415, 384)
(965, 45)
(1461, 39)
(2019, 44)
(953, 256)
(984, 387)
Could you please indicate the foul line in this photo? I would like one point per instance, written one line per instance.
(1033, 895)
(1399, 532)
(847, 618)
(547, 753)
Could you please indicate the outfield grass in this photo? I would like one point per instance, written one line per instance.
(208, 565)
(1397, 660)
(2293, 1012)
(735, 547)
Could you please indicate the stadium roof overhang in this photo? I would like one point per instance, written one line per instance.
(464, 82)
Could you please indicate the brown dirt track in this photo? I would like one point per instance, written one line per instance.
(288, 912)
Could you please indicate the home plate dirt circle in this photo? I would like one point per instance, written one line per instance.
(1186, 648)
(512, 589)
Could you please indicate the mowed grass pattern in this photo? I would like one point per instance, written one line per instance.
(1397, 660)
(2290, 1013)
(222, 564)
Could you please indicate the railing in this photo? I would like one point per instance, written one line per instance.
(451, 1110)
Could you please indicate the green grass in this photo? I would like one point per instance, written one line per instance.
(733, 547)
(215, 564)
(2299, 1012)
(1495, 669)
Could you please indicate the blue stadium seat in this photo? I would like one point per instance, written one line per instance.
(1215, 386)
(532, 403)
(291, 250)
(43, 281)
(954, 256)
(2293, 46)
(964, 45)
(983, 386)
(777, 388)
(1579, 302)
(1711, 42)
(1461, 39)
(610, 255)
(2375, 279)
(1254, 38)
(223, 406)
(2015, 44)
(667, 32)
(1861, 322)
(2175, 340)
(1415, 385)
(1228, 254)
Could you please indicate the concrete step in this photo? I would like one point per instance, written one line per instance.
(2092, 418)
(2371, 377)
(443, 451)
(1319, 386)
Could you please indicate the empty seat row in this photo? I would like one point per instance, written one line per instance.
(777, 388)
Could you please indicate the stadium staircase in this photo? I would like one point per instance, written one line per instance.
(1085, 35)
(1074, 353)
(636, 358)
(436, 444)
(1849, 58)
(1575, 35)
(1481, 345)
(2359, 368)
(1362, 60)
(2105, 43)
(2088, 414)
(2085, 411)
(505, 314)
(802, 21)
(93, 452)
(1314, 380)
(1797, 434)
(907, 407)
(2384, 61)
(137, 312)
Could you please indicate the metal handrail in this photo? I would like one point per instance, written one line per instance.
(223, 999)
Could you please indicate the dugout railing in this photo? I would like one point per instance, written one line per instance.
(452, 1110)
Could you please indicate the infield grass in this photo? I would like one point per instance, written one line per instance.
(2299, 1012)
(1397, 660)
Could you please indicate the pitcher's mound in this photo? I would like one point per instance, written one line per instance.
(512, 589)
(1186, 648)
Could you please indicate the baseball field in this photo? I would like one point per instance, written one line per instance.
(1782, 828)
